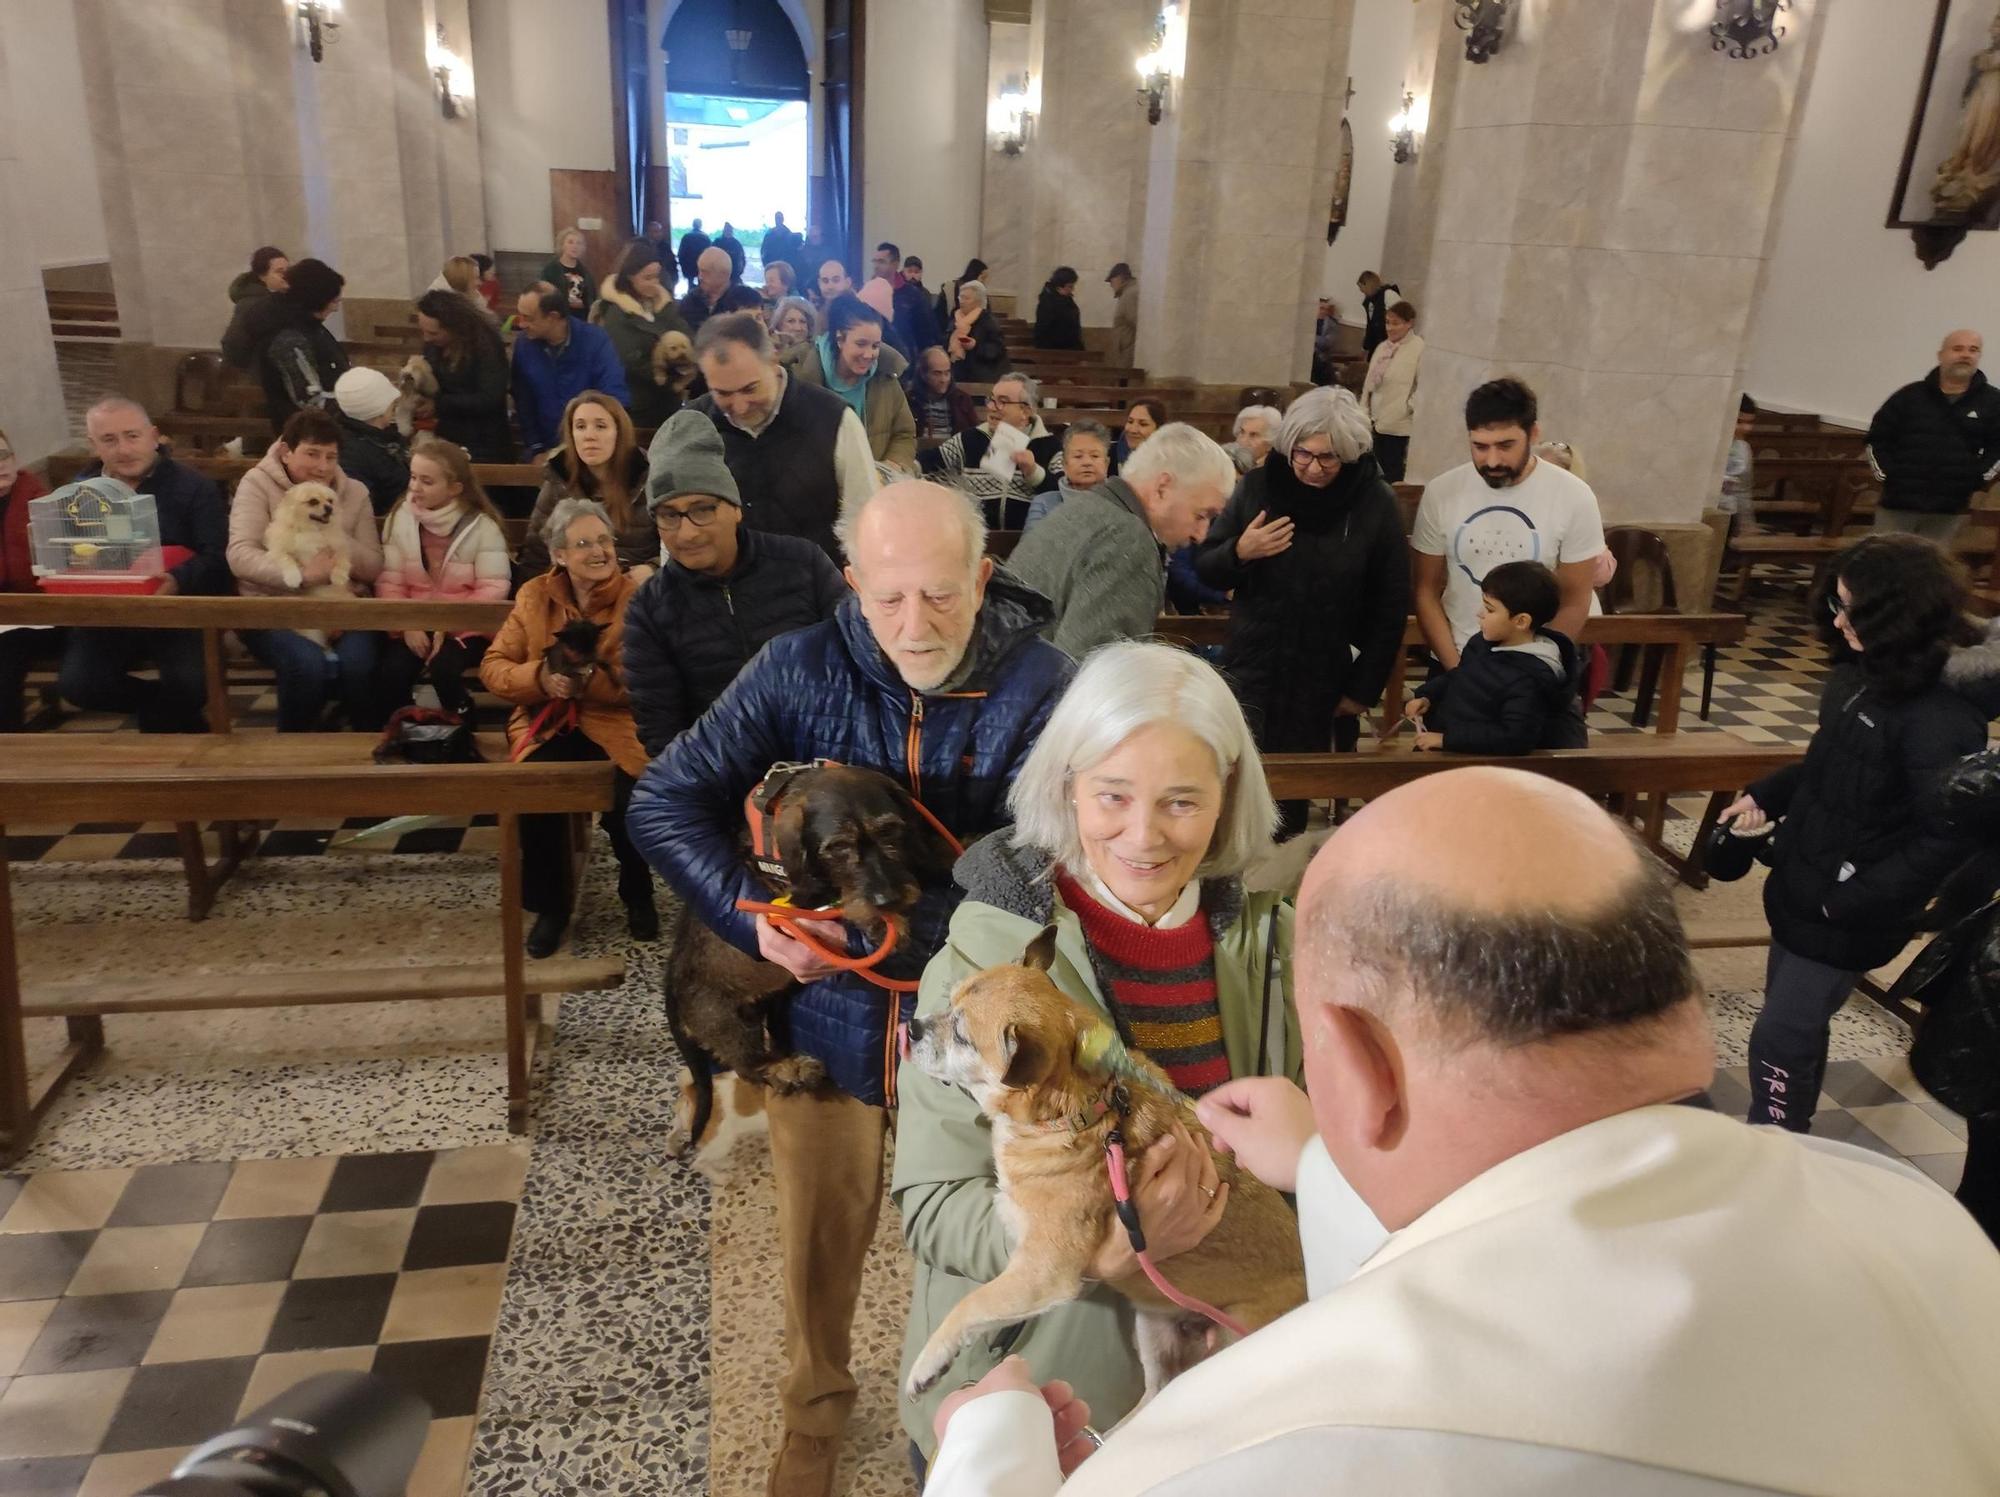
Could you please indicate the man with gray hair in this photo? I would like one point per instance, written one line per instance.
(1531, 1269)
(930, 673)
(1002, 464)
(97, 664)
(1101, 556)
(799, 452)
(1936, 443)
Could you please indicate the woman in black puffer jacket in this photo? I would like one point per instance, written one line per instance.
(723, 594)
(1863, 843)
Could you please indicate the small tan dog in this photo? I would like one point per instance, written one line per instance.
(1053, 1079)
(673, 362)
(305, 525)
(416, 388)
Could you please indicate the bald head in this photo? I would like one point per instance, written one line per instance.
(1492, 905)
(1959, 355)
(713, 272)
(915, 554)
(123, 438)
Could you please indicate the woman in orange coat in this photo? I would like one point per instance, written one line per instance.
(570, 709)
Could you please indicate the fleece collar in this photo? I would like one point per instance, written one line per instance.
(608, 291)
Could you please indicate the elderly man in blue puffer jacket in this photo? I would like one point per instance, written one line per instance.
(933, 672)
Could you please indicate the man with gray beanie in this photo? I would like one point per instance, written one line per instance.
(723, 591)
(372, 451)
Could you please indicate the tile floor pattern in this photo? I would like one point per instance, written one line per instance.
(142, 1310)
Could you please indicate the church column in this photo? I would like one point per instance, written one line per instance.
(1240, 172)
(1601, 232)
(1431, 73)
(31, 400)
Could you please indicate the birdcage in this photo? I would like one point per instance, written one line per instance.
(98, 536)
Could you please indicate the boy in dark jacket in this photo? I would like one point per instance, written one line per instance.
(1517, 679)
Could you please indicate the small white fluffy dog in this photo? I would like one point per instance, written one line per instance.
(304, 526)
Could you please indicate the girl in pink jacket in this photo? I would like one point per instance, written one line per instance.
(443, 540)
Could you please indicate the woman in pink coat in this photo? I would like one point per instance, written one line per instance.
(443, 541)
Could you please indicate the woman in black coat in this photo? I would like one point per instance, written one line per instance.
(1058, 319)
(725, 592)
(973, 340)
(1862, 843)
(1313, 549)
(469, 363)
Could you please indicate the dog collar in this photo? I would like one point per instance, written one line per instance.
(760, 810)
(1105, 1104)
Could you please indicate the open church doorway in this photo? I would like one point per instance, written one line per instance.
(739, 133)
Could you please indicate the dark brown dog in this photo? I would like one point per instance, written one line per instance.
(841, 838)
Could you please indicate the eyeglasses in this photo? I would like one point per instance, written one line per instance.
(607, 543)
(997, 403)
(697, 515)
(1326, 462)
(1834, 607)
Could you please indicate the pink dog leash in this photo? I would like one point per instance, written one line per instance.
(1128, 1213)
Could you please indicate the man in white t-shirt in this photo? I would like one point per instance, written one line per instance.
(1504, 505)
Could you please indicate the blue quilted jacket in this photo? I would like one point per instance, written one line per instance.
(828, 692)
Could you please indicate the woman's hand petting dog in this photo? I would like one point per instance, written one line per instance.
(797, 958)
(1180, 1197)
(557, 687)
(1070, 1413)
(1265, 1121)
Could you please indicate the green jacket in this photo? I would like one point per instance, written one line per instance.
(892, 430)
(1096, 559)
(945, 1184)
(634, 330)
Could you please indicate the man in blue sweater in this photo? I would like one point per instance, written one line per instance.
(556, 358)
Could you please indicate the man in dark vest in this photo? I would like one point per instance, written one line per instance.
(798, 452)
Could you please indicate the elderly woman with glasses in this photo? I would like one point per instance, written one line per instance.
(1135, 815)
(723, 591)
(569, 706)
(1313, 549)
(999, 469)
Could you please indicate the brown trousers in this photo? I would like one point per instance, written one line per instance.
(826, 1152)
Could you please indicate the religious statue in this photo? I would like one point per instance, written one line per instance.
(1968, 179)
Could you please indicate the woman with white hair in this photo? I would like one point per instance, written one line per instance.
(1253, 435)
(1313, 549)
(579, 710)
(977, 348)
(1135, 815)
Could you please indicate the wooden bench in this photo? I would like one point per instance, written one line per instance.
(1975, 544)
(1617, 769)
(268, 777)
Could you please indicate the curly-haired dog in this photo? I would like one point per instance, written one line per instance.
(1052, 1078)
(837, 837)
(305, 525)
(673, 363)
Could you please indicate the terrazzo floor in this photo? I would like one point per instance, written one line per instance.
(634, 1343)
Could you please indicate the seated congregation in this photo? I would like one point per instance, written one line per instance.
(720, 541)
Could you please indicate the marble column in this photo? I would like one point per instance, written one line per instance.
(31, 398)
(191, 114)
(1431, 71)
(1240, 172)
(1609, 192)
(1006, 188)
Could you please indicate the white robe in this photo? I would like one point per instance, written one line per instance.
(1666, 1302)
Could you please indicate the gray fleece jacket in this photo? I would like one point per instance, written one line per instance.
(1095, 558)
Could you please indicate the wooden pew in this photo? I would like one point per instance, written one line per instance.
(1975, 545)
(1825, 493)
(267, 777)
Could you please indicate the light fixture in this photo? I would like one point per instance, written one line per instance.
(318, 21)
(1009, 118)
(1405, 125)
(454, 79)
(1748, 28)
(1484, 23)
(1165, 61)
(738, 38)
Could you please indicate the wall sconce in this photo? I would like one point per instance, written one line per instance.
(1010, 120)
(1484, 23)
(1405, 125)
(1164, 62)
(454, 78)
(1748, 28)
(318, 21)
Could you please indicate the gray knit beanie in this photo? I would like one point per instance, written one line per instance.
(686, 458)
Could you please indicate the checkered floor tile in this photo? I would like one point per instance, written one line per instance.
(142, 1310)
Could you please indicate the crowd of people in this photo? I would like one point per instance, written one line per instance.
(794, 566)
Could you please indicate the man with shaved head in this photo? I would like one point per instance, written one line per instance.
(1538, 1263)
(1936, 443)
(98, 664)
(933, 673)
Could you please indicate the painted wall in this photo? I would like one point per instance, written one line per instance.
(57, 163)
(1849, 312)
(924, 133)
(544, 81)
(1376, 61)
